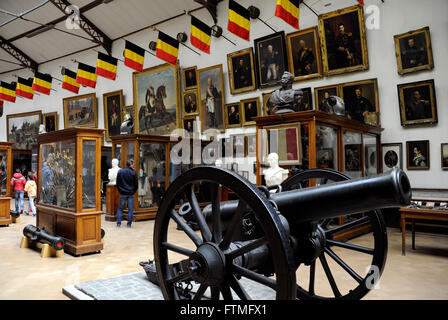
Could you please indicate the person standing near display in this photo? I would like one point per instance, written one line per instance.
(31, 190)
(18, 183)
(127, 185)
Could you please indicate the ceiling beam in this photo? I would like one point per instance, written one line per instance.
(85, 24)
(18, 54)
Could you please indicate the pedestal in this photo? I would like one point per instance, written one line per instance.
(112, 201)
(5, 217)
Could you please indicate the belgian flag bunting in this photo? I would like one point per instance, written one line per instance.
(167, 48)
(7, 91)
(201, 35)
(288, 10)
(86, 75)
(25, 88)
(42, 83)
(134, 56)
(69, 82)
(239, 20)
(106, 66)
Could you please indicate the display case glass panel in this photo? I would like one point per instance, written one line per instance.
(177, 169)
(130, 152)
(117, 152)
(151, 174)
(326, 147)
(88, 174)
(352, 142)
(58, 174)
(370, 155)
(286, 142)
(3, 172)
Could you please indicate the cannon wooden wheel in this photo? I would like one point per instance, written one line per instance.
(209, 258)
(378, 251)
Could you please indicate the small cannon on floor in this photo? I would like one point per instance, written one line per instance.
(278, 241)
(35, 234)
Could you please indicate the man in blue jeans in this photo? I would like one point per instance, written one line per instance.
(127, 185)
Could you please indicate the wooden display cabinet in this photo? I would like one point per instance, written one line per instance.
(70, 187)
(5, 179)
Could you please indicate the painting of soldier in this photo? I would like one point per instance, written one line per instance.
(241, 71)
(417, 155)
(233, 116)
(361, 99)
(189, 77)
(50, 121)
(322, 94)
(190, 101)
(250, 109)
(113, 103)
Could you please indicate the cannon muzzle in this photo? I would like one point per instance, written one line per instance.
(40, 235)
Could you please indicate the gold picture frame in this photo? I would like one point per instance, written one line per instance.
(267, 108)
(234, 60)
(50, 121)
(23, 136)
(352, 58)
(113, 105)
(189, 84)
(312, 69)
(320, 97)
(414, 161)
(81, 111)
(237, 119)
(249, 113)
(415, 57)
(444, 155)
(194, 105)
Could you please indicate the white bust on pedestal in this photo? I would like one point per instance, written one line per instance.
(113, 172)
(274, 175)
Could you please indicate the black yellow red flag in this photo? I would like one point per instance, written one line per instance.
(239, 20)
(69, 82)
(7, 91)
(106, 66)
(201, 35)
(86, 75)
(42, 83)
(167, 48)
(288, 10)
(25, 88)
(134, 56)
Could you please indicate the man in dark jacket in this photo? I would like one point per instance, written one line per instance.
(127, 185)
(18, 182)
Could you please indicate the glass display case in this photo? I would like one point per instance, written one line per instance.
(5, 178)
(70, 187)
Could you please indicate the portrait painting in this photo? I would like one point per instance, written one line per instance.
(81, 111)
(444, 153)
(304, 55)
(417, 102)
(190, 103)
(321, 95)
(189, 124)
(417, 155)
(189, 78)
(250, 109)
(113, 104)
(23, 128)
(157, 99)
(50, 121)
(233, 115)
(251, 143)
(352, 157)
(306, 103)
(361, 100)
(270, 59)
(238, 145)
(211, 97)
(392, 156)
(241, 71)
(343, 40)
(268, 107)
(413, 51)
(325, 158)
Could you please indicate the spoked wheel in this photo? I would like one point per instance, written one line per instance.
(344, 269)
(209, 264)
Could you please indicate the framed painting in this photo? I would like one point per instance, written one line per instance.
(250, 109)
(444, 153)
(343, 41)
(251, 143)
(233, 117)
(189, 78)
(113, 104)
(321, 95)
(211, 97)
(352, 157)
(325, 158)
(413, 51)
(189, 124)
(238, 146)
(268, 107)
(417, 155)
(306, 103)
(271, 60)
(392, 156)
(23, 128)
(304, 57)
(81, 111)
(157, 99)
(418, 105)
(361, 100)
(50, 121)
(190, 103)
(241, 71)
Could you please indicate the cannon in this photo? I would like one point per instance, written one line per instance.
(40, 235)
(288, 239)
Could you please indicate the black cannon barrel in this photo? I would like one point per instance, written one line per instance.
(387, 190)
(40, 235)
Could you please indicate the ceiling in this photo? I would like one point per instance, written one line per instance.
(110, 19)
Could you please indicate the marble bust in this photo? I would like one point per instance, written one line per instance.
(274, 175)
(113, 172)
(286, 97)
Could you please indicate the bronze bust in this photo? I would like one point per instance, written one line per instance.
(286, 97)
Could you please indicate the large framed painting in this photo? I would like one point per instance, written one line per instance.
(321, 95)
(81, 111)
(413, 51)
(418, 105)
(157, 99)
(270, 59)
(417, 155)
(343, 41)
(50, 121)
(211, 97)
(113, 104)
(241, 71)
(304, 57)
(23, 128)
(361, 100)
(392, 156)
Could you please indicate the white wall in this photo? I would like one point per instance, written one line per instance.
(396, 17)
